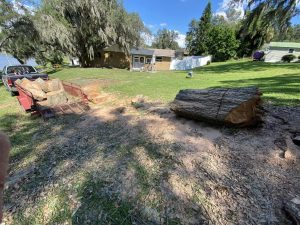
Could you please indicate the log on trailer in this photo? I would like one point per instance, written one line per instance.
(231, 106)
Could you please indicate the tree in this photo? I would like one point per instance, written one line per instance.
(166, 39)
(296, 33)
(222, 43)
(292, 33)
(191, 37)
(18, 35)
(231, 17)
(254, 37)
(270, 11)
(203, 30)
(83, 28)
(197, 45)
(262, 17)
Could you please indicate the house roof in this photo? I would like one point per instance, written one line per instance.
(164, 52)
(285, 44)
(142, 51)
(156, 52)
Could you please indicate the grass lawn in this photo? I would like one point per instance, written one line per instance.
(279, 82)
(47, 197)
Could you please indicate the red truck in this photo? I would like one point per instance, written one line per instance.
(12, 73)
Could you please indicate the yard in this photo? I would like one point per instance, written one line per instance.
(279, 82)
(119, 165)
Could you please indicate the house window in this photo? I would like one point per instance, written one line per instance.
(148, 60)
(158, 59)
(291, 50)
(136, 59)
(142, 60)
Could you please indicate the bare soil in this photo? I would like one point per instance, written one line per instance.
(169, 169)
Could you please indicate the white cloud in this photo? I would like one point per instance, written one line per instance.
(150, 26)
(163, 24)
(181, 39)
(227, 4)
(148, 38)
(21, 8)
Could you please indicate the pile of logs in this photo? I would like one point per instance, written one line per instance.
(236, 106)
(50, 92)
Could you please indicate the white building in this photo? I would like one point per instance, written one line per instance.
(276, 50)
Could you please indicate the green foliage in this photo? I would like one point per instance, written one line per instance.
(292, 33)
(262, 20)
(213, 35)
(79, 28)
(278, 82)
(191, 37)
(18, 35)
(166, 39)
(222, 43)
(51, 56)
(203, 30)
(269, 12)
(197, 36)
(253, 36)
(83, 28)
(288, 58)
(231, 18)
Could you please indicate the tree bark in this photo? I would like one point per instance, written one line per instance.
(237, 106)
(21, 61)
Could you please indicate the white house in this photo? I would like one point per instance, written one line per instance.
(276, 50)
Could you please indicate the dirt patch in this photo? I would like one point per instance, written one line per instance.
(162, 169)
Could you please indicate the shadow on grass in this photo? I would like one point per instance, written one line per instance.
(280, 90)
(245, 67)
(88, 170)
(65, 141)
(20, 134)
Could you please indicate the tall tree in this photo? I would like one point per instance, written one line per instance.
(262, 18)
(83, 28)
(166, 39)
(222, 43)
(198, 44)
(191, 37)
(270, 11)
(292, 33)
(18, 35)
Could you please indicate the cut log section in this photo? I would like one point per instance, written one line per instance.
(236, 106)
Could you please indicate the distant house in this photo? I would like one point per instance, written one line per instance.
(145, 59)
(160, 59)
(275, 50)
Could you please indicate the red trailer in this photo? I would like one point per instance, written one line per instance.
(29, 104)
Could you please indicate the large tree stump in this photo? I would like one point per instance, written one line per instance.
(236, 106)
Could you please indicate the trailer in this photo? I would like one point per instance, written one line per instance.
(31, 105)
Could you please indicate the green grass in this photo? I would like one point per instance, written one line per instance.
(279, 82)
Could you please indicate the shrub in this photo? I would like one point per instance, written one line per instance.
(222, 43)
(288, 58)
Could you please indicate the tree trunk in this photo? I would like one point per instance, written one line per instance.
(21, 61)
(237, 106)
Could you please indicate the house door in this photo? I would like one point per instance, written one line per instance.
(138, 62)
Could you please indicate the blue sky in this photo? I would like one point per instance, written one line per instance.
(173, 14)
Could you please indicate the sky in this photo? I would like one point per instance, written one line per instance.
(174, 14)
